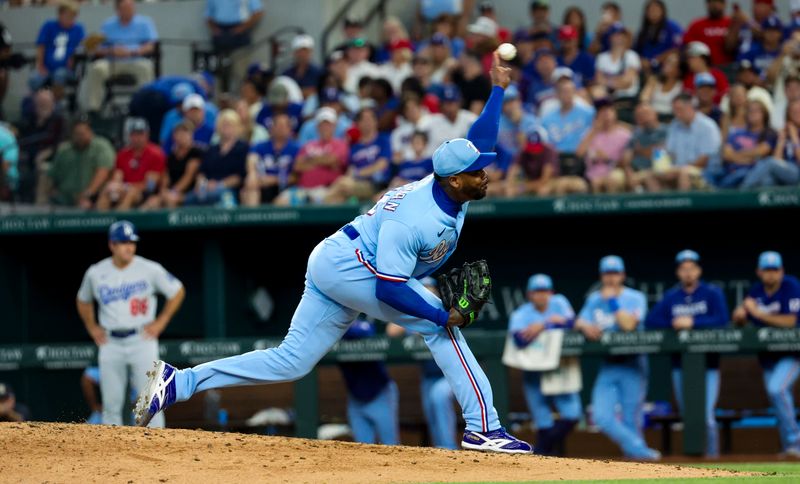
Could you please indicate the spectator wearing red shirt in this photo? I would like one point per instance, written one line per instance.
(139, 166)
(699, 60)
(319, 163)
(712, 31)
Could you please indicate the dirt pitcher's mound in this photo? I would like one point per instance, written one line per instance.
(51, 452)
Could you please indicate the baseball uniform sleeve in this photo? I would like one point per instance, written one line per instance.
(164, 282)
(518, 320)
(86, 291)
(564, 307)
(588, 308)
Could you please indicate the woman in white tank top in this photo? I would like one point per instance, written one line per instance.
(661, 89)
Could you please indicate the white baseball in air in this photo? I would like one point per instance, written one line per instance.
(507, 51)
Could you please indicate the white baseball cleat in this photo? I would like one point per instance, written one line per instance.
(495, 441)
(158, 393)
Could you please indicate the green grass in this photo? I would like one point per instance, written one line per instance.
(775, 473)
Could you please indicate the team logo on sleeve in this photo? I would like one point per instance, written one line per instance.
(436, 254)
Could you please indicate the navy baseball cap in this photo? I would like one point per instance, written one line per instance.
(459, 155)
(540, 282)
(450, 92)
(704, 79)
(329, 95)
(440, 39)
(772, 22)
(611, 263)
(770, 260)
(616, 28)
(687, 256)
(122, 231)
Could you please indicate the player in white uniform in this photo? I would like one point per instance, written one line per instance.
(124, 286)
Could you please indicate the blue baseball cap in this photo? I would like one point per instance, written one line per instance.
(616, 28)
(702, 79)
(772, 22)
(329, 95)
(122, 231)
(540, 282)
(611, 263)
(440, 39)
(450, 92)
(459, 155)
(687, 256)
(770, 260)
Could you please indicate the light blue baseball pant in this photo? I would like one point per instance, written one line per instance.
(338, 288)
(437, 405)
(624, 385)
(377, 420)
(712, 393)
(567, 404)
(779, 381)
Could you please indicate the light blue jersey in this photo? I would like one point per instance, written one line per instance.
(600, 312)
(527, 314)
(411, 245)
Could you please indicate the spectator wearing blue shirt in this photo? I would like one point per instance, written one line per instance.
(544, 311)
(129, 39)
(278, 102)
(515, 123)
(745, 148)
(270, 164)
(622, 380)
(159, 102)
(693, 144)
(537, 85)
(372, 396)
(572, 56)
(368, 166)
(329, 97)
(417, 166)
(762, 54)
(774, 302)
(693, 304)
(567, 125)
(303, 71)
(231, 22)
(195, 110)
(55, 46)
(658, 37)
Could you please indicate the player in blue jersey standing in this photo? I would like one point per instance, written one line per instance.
(373, 266)
(622, 380)
(693, 304)
(543, 311)
(774, 302)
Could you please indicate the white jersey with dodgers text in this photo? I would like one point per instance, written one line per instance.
(126, 298)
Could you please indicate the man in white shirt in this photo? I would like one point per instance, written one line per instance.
(453, 121)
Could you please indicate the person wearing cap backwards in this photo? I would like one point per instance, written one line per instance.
(698, 57)
(693, 304)
(573, 57)
(622, 380)
(712, 31)
(545, 310)
(762, 54)
(139, 167)
(373, 266)
(125, 286)
(774, 302)
(705, 91)
(303, 70)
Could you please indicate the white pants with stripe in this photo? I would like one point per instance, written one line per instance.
(338, 288)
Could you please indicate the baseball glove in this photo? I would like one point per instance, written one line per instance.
(466, 289)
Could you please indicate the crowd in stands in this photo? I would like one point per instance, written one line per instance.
(604, 109)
